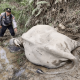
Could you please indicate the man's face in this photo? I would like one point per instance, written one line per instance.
(8, 13)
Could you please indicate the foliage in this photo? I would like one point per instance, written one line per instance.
(37, 9)
(26, 12)
(13, 0)
(30, 1)
(42, 2)
(18, 0)
(38, 12)
(23, 3)
(21, 58)
(26, 2)
(33, 12)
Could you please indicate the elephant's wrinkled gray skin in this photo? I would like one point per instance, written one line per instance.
(45, 46)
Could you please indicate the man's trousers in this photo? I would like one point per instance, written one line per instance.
(3, 29)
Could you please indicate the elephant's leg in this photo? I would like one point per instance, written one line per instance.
(58, 64)
(65, 55)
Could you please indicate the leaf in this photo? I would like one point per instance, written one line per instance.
(42, 2)
(33, 12)
(23, 3)
(30, 1)
(39, 12)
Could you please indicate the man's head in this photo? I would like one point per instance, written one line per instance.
(8, 11)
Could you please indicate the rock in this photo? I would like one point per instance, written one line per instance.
(1, 67)
(61, 26)
(6, 68)
(19, 73)
(14, 48)
(53, 10)
(39, 71)
(3, 55)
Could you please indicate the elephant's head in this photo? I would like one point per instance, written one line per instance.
(15, 45)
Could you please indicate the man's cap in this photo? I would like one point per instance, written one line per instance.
(8, 9)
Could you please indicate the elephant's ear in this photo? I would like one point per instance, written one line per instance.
(26, 37)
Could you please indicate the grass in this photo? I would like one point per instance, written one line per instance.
(21, 58)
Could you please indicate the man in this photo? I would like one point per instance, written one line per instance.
(7, 20)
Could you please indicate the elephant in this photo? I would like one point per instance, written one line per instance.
(45, 46)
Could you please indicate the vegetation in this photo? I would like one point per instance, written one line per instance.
(21, 13)
(24, 11)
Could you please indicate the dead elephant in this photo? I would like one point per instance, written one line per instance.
(45, 46)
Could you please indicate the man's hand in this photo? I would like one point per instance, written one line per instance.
(15, 30)
(0, 27)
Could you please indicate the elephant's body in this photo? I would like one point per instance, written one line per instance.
(45, 46)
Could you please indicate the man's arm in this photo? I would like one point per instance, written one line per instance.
(1, 16)
(14, 24)
(0, 21)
